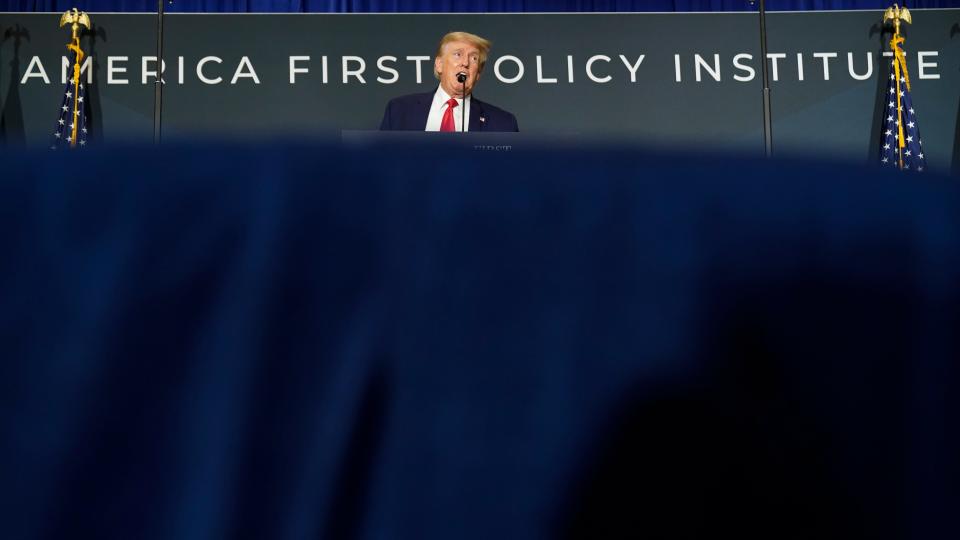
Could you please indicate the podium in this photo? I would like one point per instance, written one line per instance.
(476, 141)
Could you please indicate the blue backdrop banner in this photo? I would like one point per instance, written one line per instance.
(315, 75)
(453, 6)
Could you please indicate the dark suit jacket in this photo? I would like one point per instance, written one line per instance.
(409, 113)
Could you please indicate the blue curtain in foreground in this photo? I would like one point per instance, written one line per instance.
(417, 6)
(286, 343)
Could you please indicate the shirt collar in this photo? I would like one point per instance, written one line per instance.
(440, 97)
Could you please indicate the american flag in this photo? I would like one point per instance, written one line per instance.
(900, 144)
(71, 128)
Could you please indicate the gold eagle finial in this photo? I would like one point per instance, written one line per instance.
(76, 19)
(896, 14)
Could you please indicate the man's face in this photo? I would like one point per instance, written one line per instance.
(458, 57)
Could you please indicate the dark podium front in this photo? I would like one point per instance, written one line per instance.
(474, 141)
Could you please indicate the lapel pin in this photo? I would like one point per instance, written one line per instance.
(482, 119)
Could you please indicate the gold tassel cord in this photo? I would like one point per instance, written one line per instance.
(900, 57)
(75, 47)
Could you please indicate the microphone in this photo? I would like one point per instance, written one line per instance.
(462, 79)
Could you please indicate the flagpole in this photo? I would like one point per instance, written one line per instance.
(767, 120)
(158, 84)
(73, 100)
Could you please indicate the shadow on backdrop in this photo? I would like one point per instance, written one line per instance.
(94, 111)
(11, 111)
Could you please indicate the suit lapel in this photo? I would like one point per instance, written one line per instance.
(423, 108)
(477, 118)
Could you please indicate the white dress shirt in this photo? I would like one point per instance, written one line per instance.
(439, 106)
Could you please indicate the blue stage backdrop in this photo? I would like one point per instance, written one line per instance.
(451, 6)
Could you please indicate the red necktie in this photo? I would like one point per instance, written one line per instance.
(447, 123)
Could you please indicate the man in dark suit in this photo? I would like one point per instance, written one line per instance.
(457, 65)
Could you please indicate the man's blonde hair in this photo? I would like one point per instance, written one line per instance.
(481, 44)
